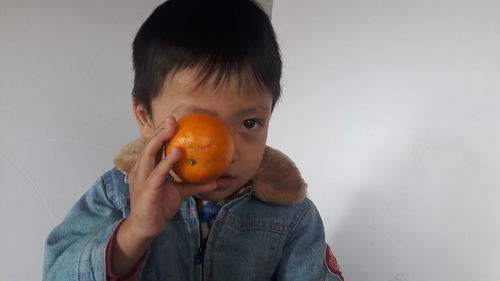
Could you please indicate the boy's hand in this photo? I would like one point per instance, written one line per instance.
(154, 200)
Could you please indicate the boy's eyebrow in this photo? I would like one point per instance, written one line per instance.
(244, 111)
(254, 109)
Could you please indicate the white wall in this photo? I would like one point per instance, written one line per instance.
(65, 83)
(394, 109)
(389, 109)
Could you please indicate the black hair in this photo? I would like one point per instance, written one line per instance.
(221, 38)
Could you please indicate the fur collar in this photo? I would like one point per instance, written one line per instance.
(277, 180)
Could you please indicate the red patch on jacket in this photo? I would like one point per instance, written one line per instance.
(331, 263)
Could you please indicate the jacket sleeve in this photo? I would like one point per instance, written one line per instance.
(305, 254)
(76, 249)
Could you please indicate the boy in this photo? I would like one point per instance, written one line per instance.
(140, 222)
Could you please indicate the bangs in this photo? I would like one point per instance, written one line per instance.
(218, 73)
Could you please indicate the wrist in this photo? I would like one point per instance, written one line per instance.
(135, 232)
(128, 249)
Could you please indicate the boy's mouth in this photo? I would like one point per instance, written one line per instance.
(224, 181)
(226, 175)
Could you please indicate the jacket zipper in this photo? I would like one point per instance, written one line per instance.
(200, 256)
(198, 259)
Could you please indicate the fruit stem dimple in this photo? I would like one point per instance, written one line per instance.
(192, 162)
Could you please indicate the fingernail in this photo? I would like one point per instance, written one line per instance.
(167, 125)
(167, 120)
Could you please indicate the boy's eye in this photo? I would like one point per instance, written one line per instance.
(251, 123)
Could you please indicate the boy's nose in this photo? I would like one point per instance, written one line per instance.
(234, 156)
(235, 146)
(235, 153)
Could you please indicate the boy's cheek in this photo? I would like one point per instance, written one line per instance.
(251, 140)
(253, 162)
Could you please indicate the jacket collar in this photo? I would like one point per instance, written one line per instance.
(277, 180)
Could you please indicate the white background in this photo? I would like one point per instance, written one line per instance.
(391, 110)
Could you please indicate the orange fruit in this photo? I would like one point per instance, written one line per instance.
(207, 148)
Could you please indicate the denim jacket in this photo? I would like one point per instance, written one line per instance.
(269, 233)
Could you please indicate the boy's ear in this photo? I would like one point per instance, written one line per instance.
(142, 117)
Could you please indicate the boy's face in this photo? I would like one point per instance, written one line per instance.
(246, 111)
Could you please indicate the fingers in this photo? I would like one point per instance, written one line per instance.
(149, 156)
(160, 173)
(163, 133)
(159, 176)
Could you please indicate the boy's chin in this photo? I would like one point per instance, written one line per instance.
(226, 186)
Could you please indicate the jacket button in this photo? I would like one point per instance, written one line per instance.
(198, 259)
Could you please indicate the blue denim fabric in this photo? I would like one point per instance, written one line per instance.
(249, 240)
